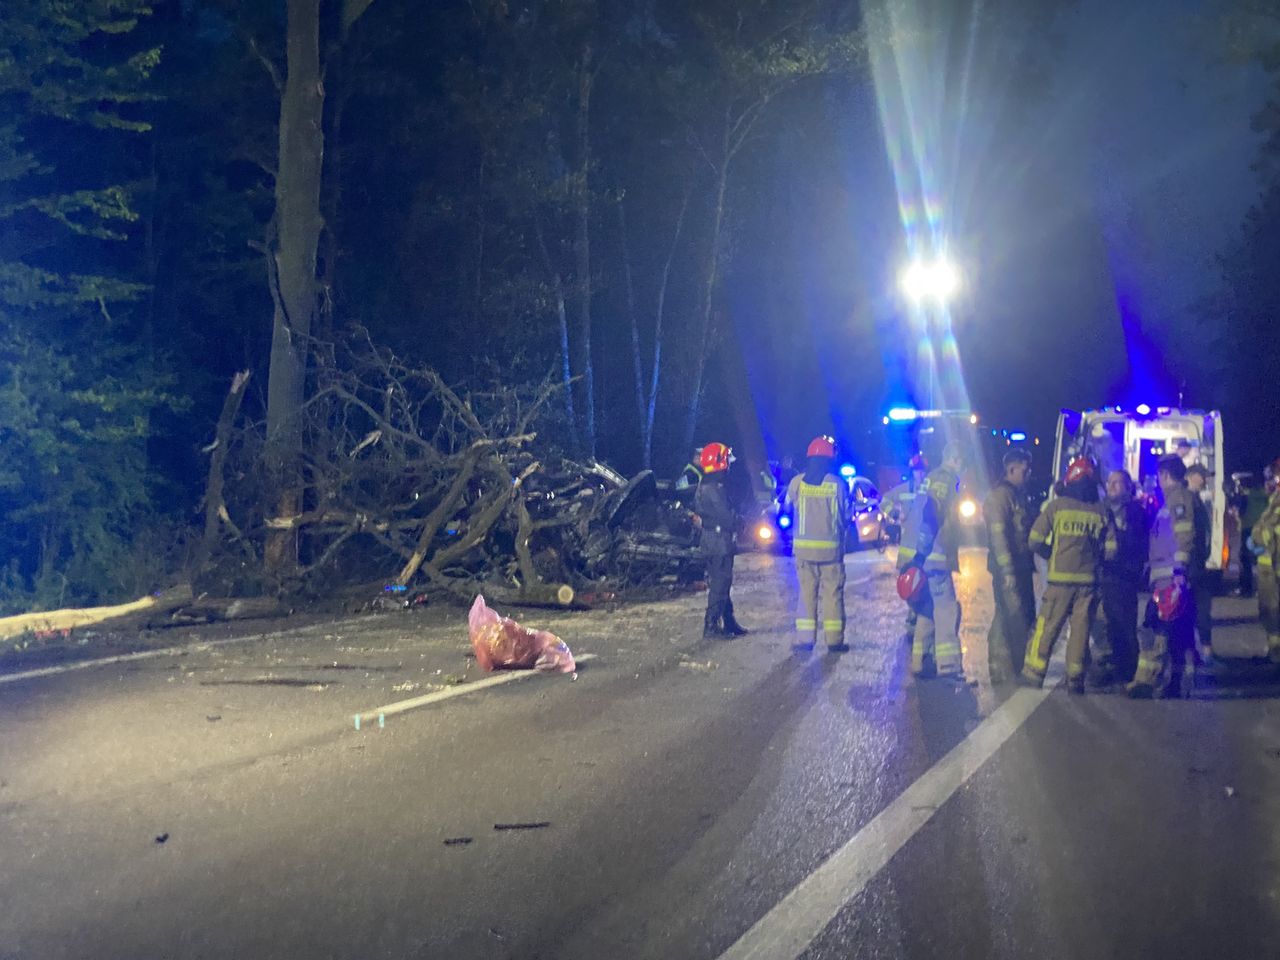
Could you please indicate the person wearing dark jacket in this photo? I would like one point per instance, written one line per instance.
(719, 527)
(1120, 580)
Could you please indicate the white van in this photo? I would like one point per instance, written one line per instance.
(1135, 440)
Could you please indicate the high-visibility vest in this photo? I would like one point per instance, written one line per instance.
(821, 516)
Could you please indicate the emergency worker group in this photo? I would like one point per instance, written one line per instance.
(1125, 574)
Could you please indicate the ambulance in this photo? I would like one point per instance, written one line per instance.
(1135, 439)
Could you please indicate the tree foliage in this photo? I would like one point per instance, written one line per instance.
(78, 384)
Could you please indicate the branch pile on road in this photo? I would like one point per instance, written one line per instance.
(410, 483)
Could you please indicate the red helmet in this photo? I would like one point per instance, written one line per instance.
(1081, 468)
(910, 582)
(918, 462)
(1170, 601)
(821, 447)
(715, 457)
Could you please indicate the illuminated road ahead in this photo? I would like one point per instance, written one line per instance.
(680, 799)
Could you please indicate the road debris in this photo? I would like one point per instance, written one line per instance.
(502, 644)
(457, 841)
(707, 666)
(162, 838)
(536, 825)
(1229, 791)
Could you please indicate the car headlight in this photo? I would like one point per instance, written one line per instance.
(764, 533)
(968, 508)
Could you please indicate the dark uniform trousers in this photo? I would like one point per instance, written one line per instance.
(1015, 615)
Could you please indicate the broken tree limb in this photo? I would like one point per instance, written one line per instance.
(215, 508)
(229, 608)
(484, 520)
(431, 526)
(140, 610)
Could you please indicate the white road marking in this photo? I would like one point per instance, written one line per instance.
(401, 706)
(788, 929)
(164, 652)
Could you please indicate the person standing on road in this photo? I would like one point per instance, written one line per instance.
(819, 501)
(1167, 638)
(1254, 502)
(896, 506)
(691, 475)
(1264, 542)
(1072, 534)
(1115, 633)
(930, 541)
(1202, 584)
(1012, 564)
(719, 528)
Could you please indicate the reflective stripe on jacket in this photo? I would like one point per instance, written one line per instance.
(926, 530)
(1008, 528)
(1173, 535)
(1266, 533)
(1074, 535)
(821, 513)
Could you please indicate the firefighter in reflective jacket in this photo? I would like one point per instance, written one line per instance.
(1264, 541)
(929, 542)
(896, 506)
(1167, 641)
(719, 528)
(819, 502)
(1115, 634)
(1072, 533)
(1012, 565)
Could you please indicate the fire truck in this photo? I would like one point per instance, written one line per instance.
(1135, 439)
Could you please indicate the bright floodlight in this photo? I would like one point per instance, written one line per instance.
(932, 280)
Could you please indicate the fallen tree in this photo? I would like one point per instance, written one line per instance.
(449, 490)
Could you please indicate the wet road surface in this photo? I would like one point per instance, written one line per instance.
(665, 803)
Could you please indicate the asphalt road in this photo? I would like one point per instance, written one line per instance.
(679, 799)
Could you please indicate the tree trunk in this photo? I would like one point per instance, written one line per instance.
(637, 365)
(652, 402)
(562, 315)
(298, 225)
(708, 295)
(582, 245)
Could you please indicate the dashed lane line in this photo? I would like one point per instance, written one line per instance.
(379, 714)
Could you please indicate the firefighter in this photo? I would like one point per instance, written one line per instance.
(1012, 565)
(1167, 638)
(1115, 634)
(1264, 542)
(691, 475)
(719, 526)
(1201, 584)
(819, 502)
(895, 506)
(1071, 533)
(897, 502)
(929, 542)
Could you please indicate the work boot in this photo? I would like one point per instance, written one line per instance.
(1140, 690)
(804, 646)
(1028, 678)
(928, 670)
(840, 647)
(711, 629)
(731, 626)
(1102, 675)
(1076, 686)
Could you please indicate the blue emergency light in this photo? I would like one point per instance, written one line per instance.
(848, 470)
(1017, 436)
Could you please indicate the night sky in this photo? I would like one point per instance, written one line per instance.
(1088, 216)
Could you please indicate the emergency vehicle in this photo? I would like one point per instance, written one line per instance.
(1117, 438)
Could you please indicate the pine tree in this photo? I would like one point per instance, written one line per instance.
(77, 387)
